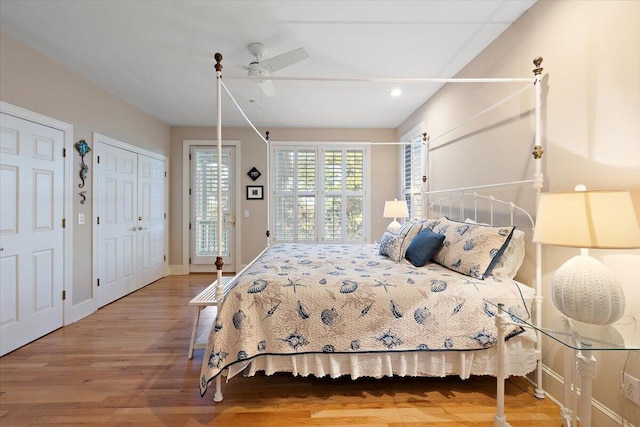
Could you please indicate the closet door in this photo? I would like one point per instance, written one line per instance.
(151, 219)
(116, 222)
(31, 231)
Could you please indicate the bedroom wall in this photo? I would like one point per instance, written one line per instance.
(591, 135)
(384, 165)
(30, 80)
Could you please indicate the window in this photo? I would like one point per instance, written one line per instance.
(319, 193)
(412, 172)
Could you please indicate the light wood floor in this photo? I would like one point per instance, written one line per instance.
(127, 365)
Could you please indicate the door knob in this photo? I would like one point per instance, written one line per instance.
(139, 228)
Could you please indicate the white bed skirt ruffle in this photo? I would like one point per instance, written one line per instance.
(520, 359)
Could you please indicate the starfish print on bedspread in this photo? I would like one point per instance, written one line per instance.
(472, 282)
(383, 284)
(293, 284)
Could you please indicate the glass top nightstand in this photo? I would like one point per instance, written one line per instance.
(621, 335)
(579, 340)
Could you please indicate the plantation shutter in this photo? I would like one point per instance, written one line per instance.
(300, 174)
(205, 199)
(295, 195)
(412, 156)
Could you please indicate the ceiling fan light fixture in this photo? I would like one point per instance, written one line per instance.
(264, 68)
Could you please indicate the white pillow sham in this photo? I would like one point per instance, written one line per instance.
(510, 260)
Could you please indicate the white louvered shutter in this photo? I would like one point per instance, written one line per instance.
(205, 199)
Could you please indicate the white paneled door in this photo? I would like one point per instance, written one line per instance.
(31, 231)
(116, 222)
(131, 220)
(151, 218)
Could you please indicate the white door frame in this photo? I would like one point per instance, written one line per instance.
(186, 205)
(69, 311)
(94, 207)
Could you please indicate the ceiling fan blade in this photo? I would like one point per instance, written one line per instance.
(278, 62)
(268, 88)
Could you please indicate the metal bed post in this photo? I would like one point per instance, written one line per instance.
(219, 262)
(537, 183)
(268, 192)
(424, 201)
(502, 321)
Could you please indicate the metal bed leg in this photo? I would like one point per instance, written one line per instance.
(218, 396)
(501, 323)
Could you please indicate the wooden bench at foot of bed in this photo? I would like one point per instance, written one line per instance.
(206, 298)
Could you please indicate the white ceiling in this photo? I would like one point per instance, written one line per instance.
(158, 55)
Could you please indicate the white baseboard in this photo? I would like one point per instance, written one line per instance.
(82, 310)
(178, 270)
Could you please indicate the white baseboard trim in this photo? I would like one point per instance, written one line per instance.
(178, 270)
(603, 416)
(82, 310)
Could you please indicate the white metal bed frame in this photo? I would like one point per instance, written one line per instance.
(449, 195)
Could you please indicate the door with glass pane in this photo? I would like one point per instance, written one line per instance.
(295, 172)
(343, 195)
(204, 208)
(319, 194)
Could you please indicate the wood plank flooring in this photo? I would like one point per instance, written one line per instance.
(127, 365)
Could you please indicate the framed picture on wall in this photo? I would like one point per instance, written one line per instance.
(255, 192)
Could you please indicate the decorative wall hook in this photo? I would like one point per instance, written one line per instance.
(83, 148)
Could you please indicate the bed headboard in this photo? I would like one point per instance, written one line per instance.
(461, 205)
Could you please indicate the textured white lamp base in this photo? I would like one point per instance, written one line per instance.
(394, 226)
(586, 290)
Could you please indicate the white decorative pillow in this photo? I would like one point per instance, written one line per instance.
(470, 249)
(509, 262)
(395, 245)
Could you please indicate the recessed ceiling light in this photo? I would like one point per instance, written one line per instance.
(396, 92)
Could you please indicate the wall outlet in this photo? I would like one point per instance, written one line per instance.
(631, 388)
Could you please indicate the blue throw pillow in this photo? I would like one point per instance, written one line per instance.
(423, 247)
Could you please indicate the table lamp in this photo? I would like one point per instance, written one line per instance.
(395, 209)
(583, 288)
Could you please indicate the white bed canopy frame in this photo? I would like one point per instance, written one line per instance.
(447, 195)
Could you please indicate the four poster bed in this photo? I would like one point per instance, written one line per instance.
(415, 304)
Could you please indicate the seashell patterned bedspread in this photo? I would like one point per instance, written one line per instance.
(300, 298)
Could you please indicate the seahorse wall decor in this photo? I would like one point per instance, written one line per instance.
(83, 148)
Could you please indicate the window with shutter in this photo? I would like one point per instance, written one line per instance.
(332, 183)
(412, 172)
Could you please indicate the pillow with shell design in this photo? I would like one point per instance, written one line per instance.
(471, 249)
(394, 245)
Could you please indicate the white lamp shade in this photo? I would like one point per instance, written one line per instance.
(395, 209)
(587, 219)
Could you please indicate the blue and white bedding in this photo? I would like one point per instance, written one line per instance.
(348, 299)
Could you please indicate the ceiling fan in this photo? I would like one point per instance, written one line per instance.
(264, 67)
